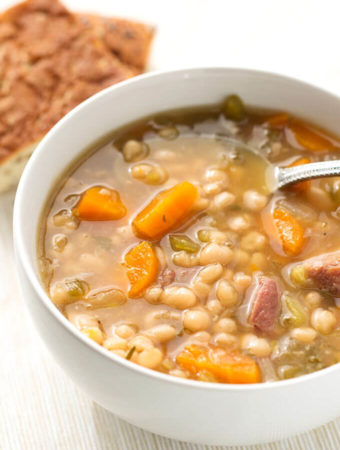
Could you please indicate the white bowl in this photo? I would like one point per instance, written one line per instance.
(182, 409)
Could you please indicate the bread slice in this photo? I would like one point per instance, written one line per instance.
(50, 61)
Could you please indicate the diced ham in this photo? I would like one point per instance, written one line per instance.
(324, 271)
(264, 304)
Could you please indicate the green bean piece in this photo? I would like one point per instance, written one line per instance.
(233, 108)
(296, 316)
(203, 235)
(181, 242)
(298, 275)
(76, 288)
(288, 371)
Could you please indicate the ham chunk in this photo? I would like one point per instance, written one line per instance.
(323, 272)
(264, 304)
(166, 277)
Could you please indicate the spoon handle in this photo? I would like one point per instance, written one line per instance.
(305, 172)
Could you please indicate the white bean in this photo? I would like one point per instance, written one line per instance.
(241, 258)
(210, 273)
(201, 289)
(216, 175)
(254, 201)
(226, 293)
(257, 346)
(94, 333)
(141, 343)
(223, 200)
(217, 237)
(134, 150)
(200, 204)
(238, 223)
(153, 294)
(214, 306)
(125, 331)
(150, 358)
(258, 261)
(323, 321)
(212, 188)
(196, 320)
(304, 334)
(253, 241)
(242, 281)
(161, 333)
(201, 336)
(115, 343)
(313, 299)
(178, 297)
(185, 259)
(225, 325)
(215, 253)
(226, 340)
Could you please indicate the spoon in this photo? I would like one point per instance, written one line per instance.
(279, 177)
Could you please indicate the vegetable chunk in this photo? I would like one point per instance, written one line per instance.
(290, 232)
(310, 138)
(166, 211)
(100, 203)
(303, 186)
(142, 268)
(226, 367)
(278, 121)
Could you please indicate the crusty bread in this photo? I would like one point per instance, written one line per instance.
(50, 61)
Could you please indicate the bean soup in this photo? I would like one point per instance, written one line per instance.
(163, 244)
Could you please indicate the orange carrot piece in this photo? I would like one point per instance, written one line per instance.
(225, 366)
(310, 138)
(166, 211)
(142, 268)
(303, 186)
(100, 203)
(289, 230)
(278, 121)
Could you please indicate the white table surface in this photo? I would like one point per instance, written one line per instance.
(40, 408)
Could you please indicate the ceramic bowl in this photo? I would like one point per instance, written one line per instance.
(188, 410)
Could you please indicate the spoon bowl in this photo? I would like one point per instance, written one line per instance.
(279, 177)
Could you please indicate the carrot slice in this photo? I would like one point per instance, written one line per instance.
(100, 203)
(290, 232)
(166, 211)
(142, 267)
(278, 121)
(225, 366)
(303, 186)
(310, 138)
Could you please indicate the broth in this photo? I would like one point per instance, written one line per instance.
(222, 287)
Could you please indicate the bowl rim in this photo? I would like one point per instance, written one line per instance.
(23, 258)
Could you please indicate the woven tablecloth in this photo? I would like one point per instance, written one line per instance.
(40, 408)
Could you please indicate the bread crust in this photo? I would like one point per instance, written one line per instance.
(50, 61)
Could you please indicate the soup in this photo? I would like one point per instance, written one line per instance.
(163, 245)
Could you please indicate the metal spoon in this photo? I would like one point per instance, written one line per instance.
(279, 177)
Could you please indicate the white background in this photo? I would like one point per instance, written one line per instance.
(39, 407)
